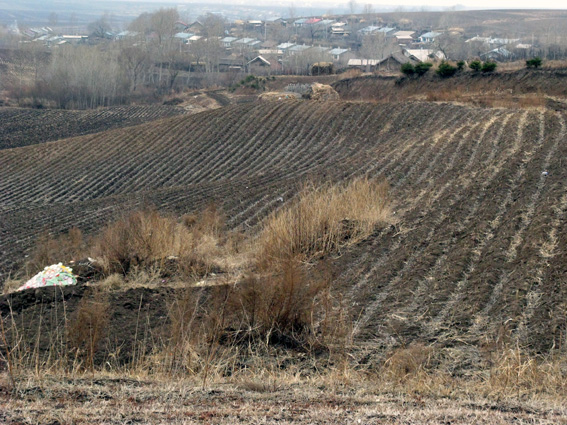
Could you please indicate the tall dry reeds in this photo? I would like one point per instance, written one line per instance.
(322, 220)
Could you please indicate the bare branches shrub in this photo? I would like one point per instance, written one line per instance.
(51, 250)
(149, 241)
(278, 305)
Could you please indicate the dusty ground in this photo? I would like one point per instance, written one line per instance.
(127, 401)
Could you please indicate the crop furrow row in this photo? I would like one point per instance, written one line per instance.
(146, 174)
(535, 292)
(477, 254)
(230, 137)
(269, 159)
(288, 137)
(436, 224)
(307, 147)
(277, 116)
(176, 164)
(115, 167)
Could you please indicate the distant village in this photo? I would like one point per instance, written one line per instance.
(294, 46)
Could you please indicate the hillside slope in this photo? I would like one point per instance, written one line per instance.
(478, 252)
(508, 84)
(23, 127)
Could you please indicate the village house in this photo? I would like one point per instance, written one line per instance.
(404, 37)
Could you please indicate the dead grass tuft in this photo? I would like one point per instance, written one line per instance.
(52, 250)
(322, 220)
(87, 327)
(515, 372)
(404, 364)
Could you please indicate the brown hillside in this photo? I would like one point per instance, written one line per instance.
(478, 251)
(466, 86)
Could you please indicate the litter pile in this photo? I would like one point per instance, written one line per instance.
(54, 275)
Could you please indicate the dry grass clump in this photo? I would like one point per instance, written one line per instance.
(146, 246)
(279, 305)
(515, 372)
(51, 250)
(408, 363)
(87, 328)
(322, 220)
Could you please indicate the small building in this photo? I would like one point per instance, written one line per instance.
(312, 21)
(195, 27)
(183, 36)
(340, 29)
(254, 24)
(499, 54)
(227, 42)
(424, 55)
(429, 37)
(368, 30)
(126, 34)
(338, 53)
(298, 48)
(365, 65)
(404, 37)
(284, 47)
(394, 62)
(258, 66)
(275, 21)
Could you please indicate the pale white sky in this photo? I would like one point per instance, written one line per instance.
(489, 4)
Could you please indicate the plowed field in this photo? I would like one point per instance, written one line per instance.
(480, 195)
(23, 127)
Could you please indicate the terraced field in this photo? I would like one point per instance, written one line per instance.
(23, 127)
(478, 251)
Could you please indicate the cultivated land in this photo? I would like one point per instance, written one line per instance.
(478, 193)
(473, 260)
(22, 127)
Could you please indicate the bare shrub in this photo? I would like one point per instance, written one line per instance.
(51, 250)
(406, 363)
(146, 241)
(322, 220)
(276, 306)
(515, 372)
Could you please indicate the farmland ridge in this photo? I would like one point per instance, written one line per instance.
(479, 199)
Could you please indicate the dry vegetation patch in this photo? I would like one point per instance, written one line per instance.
(324, 219)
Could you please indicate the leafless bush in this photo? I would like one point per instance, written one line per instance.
(51, 250)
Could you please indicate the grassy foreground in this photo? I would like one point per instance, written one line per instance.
(328, 399)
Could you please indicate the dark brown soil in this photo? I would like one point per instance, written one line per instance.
(24, 126)
(477, 254)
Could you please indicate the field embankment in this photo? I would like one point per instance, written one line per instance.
(501, 89)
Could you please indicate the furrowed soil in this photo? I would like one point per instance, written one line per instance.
(22, 127)
(479, 198)
(475, 258)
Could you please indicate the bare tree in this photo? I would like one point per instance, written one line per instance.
(135, 63)
(100, 28)
(213, 25)
(377, 46)
(159, 25)
(352, 6)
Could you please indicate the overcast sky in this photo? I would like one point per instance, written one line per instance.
(491, 4)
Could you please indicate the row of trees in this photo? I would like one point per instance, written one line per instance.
(108, 73)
